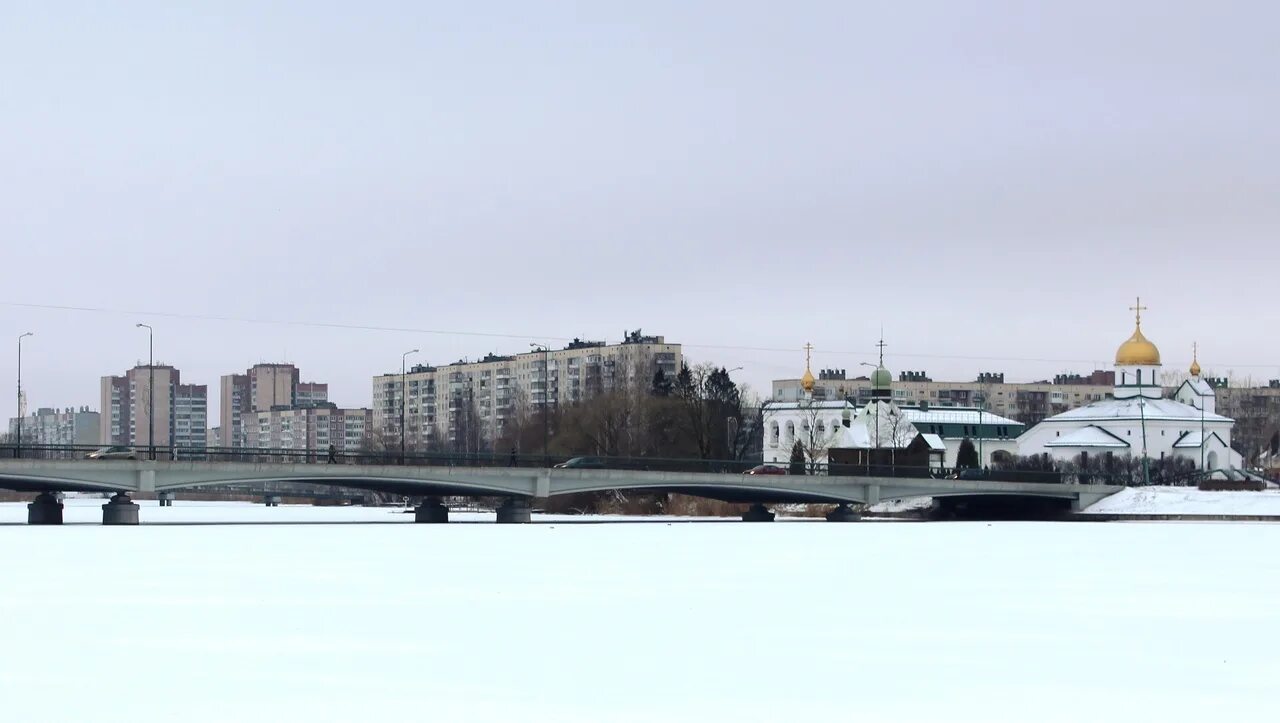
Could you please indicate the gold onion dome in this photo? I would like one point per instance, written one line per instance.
(1138, 350)
(806, 381)
(1195, 363)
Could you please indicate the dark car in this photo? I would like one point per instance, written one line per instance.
(766, 469)
(582, 463)
(969, 473)
(112, 453)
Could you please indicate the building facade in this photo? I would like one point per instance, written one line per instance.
(459, 404)
(181, 410)
(312, 429)
(261, 388)
(53, 427)
(1027, 403)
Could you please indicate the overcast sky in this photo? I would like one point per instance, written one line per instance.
(991, 182)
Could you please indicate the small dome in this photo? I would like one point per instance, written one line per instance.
(1195, 368)
(1138, 350)
(881, 378)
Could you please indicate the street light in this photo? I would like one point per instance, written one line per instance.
(546, 387)
(404, 398)
(18, 450)
(731, 425)
(151, 390)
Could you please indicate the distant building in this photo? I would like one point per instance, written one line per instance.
(446, 401)
(310, 428)
(1026, 402)
(181, 409)
(261, 388)
(65, 427)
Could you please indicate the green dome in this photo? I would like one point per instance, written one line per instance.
(881, 378)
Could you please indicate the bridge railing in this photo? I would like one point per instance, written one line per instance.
(487, 459)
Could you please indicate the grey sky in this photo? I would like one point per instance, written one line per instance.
(991, 179)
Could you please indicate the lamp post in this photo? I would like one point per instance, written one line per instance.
(404, 399)
(546, 388)
(732, 425)
(18, 448)
(151, 390)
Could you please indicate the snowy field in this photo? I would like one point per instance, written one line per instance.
(1188, 501)
(633, 622)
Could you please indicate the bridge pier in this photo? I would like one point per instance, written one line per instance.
(45, 509)
(120, 510)
(431, 510)
(757, 513)
(514, 510)
(165, 498)
(843, 513)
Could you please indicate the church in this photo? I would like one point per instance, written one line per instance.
(1138, 420)
(881, 433)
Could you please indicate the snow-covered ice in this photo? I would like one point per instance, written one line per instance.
(634, 622)
(1188, 501)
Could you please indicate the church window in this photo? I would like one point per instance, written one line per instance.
(1139, 377)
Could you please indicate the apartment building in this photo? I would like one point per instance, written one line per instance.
(261, 388)
(50, 427)
(1027, 403)
(307, 428)
(181, 410)
(448, 402)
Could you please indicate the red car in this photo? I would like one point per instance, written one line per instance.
(766, 469)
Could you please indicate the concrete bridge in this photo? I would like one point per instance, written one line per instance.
(519, 485)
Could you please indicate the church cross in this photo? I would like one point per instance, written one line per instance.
(1138, 309)
(882, 345)
(807, 348)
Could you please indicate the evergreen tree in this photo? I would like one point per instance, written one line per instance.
(797, 458)
(967, 455)
(661, 386)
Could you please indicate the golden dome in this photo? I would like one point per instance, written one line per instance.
(1195, 361)
(806, 381)
(1138, 350)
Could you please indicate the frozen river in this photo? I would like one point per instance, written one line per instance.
(572, 622)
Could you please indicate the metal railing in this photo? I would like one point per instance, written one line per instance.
(486, 459)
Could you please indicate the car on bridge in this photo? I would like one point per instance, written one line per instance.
(112, 453)
(766, 469)
(582, 463)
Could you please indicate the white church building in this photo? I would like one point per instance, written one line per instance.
(881, 424)
(1139, 421)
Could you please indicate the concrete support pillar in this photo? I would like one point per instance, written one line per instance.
(515, 510)
(431, 510)
(757, 513)
(271, 500)
(843, 513)
(165, 499)
(120, 510)
(45, 509)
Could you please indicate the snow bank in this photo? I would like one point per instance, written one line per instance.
(1187, 501)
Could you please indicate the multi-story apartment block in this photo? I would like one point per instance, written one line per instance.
(261, 388)
(1025, 402)
(446, 403)
(58, 427)
(181, 409)
(307, 428)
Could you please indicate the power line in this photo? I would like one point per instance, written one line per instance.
(547, 337)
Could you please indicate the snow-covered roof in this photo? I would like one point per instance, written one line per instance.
(1193, 440)
(935, 443)
(1090, 436)
(945, 415)
(1109, 410)
(1199, 387)
(807, 405)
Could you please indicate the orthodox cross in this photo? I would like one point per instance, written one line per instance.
(882, 345)
(807, 348)
(1138, 309)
